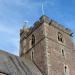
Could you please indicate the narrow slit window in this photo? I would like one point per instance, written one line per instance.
(63, 52)
(32, 55)
(66, 70)
(33, 40)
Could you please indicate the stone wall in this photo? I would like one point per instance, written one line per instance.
(39, 54)
(56, 60)
(50, 55)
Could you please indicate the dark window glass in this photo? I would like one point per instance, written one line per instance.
(32, 55)
(62, 52)
(33, 40)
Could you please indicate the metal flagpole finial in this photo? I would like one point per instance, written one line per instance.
(42, 8)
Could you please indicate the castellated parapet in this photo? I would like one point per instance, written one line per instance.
(45, 19)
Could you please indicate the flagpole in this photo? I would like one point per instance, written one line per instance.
(42, 9)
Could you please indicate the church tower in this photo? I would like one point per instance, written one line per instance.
(49, 45)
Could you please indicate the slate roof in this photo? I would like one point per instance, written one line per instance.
(14, 65)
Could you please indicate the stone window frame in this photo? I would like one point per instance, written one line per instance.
(66, 70)
(60, 37)
(32, 55)
(30, 43)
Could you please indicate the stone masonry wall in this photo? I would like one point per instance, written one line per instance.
(50, 55)
(39, 56)
(56, 61)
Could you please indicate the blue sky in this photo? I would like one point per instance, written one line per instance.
(13, 13)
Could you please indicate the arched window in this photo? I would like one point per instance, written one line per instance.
(66, 70)
(33, 40)
(60, 37)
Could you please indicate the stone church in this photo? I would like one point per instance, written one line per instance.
(46, 48)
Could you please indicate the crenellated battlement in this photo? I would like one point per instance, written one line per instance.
(45, 19)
